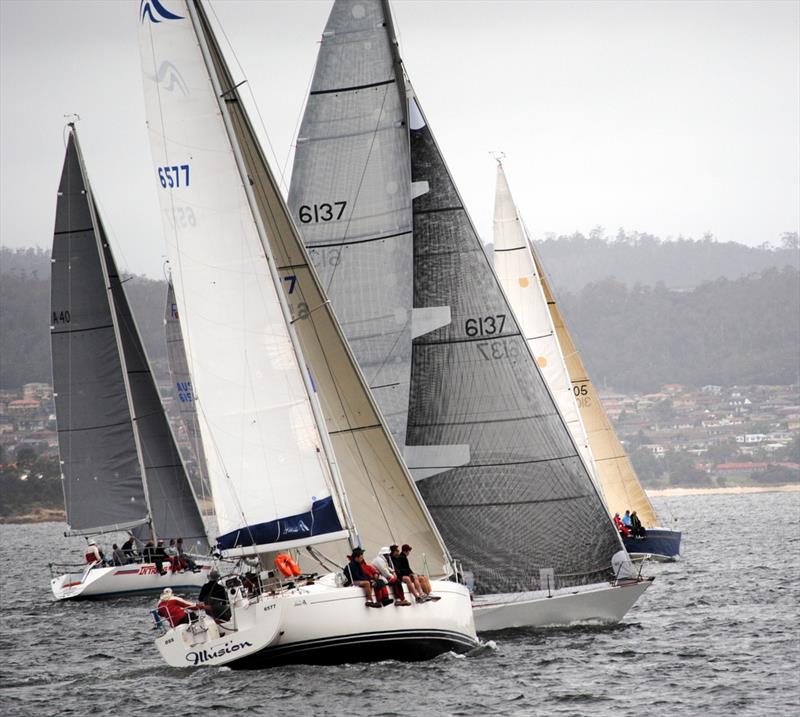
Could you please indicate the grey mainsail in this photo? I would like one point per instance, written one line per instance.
(493, 458)
(351, 197)
(121, 466)
(183, 393)
(102, 479)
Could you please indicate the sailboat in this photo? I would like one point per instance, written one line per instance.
(298, 454)
(121, 468)
(519, 268)
(183, 392)
(439, 344)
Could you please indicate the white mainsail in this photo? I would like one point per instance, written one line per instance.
(519, 277)
(230, 237)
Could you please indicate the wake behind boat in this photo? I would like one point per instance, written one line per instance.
(120, 465)
(298, 454)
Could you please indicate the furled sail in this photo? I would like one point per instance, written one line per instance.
(613, 468)
(519, 278)
(183, 393)
(351, 197)
(102, 478)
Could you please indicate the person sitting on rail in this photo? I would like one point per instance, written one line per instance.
(383, 564)
(94, 556)
(621, 527)
(129, 549)
(186, 561)
(356, 575)
(637, 528)
(422, 586)
(174, 609)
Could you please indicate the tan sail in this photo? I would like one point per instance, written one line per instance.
(614, 470)
(385, 504)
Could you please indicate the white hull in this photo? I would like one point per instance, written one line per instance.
(324, 624)
(596, 604)
(120, 580)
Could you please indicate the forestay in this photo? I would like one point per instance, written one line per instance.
(385, 504)
(514, 265)
(350, 197)
(613, 468)
(269, 477)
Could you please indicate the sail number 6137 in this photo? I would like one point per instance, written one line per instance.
(324, 212)
(485, 325)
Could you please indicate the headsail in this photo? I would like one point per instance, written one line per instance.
(383, 500)
(183, 392)
(99, 461)
(613, 468)
(519, 278)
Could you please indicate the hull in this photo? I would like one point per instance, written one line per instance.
(134, 579)
(596, 604)
(659, 544)
(323, 624)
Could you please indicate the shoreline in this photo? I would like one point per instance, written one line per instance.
(729, 490)
(36, 515)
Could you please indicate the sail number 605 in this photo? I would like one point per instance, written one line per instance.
(175, 176)
(485, 325)
(321, 212)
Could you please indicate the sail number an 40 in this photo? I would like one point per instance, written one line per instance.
(325, 212)
(174, 177)
(485, 325)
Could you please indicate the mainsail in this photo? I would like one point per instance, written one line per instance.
(120, 463)
(613, 468)
(519, 278)
(494, 461)
(240, 233)
(184, 393)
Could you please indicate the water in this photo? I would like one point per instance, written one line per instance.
(716, 634)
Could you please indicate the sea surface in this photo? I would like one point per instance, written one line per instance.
(717, 634)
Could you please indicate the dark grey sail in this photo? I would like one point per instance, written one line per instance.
(351, 197)
(120, 464)
(102, 479)
(173, 506)
(525, 501)
(183, 393)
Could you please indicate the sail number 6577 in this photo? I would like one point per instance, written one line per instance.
(175, 176)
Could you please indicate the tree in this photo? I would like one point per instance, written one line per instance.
(26, 457)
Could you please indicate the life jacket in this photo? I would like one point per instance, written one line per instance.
(91, 556)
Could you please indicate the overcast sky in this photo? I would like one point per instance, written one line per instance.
(674, 118)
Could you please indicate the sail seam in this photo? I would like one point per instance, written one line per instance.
(438, 209)
(513, 248)
(355, 429)
(360, 241)
(468, 339)
(73, 231)
(484, 420)
(78, 331)
(515, 502)
(93, 428)
(352, 89)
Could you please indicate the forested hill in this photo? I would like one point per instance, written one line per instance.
(744, 330)
(574, 261)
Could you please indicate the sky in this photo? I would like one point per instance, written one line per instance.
(673, 118)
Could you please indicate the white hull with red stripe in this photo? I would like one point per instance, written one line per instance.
(134, 579)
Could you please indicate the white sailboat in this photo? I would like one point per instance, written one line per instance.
(298, 454)
(437, 340)
(520, 271)
(120, 465)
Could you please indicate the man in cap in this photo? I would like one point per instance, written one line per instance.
(173, 608)
(357, 575)
(213, 594)
(94, 555)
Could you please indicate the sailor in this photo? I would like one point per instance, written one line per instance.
(129, 549)
(173, 608)
(356, 575)
(626, 519)
(636, 526)
(186, 561)
(419, 585)
(213, 594)
(118, 556)
(93, 555)
(383, 564)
